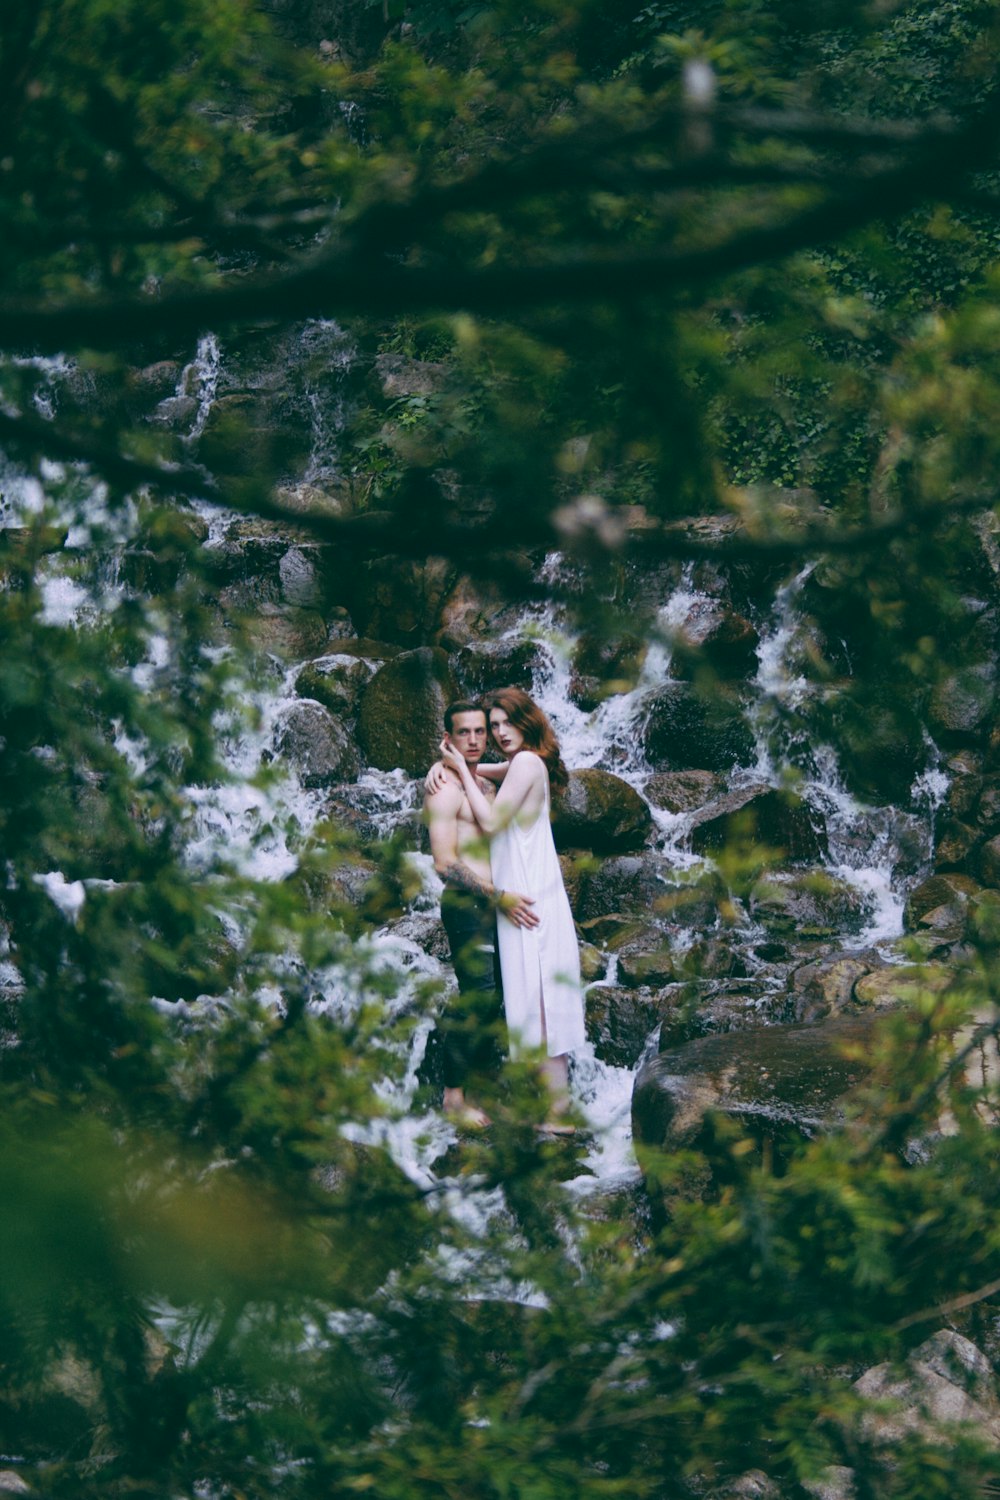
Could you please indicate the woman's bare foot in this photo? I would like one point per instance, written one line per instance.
(458, 1108)
(556, 1127)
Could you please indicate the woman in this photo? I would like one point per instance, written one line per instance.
(540, 965)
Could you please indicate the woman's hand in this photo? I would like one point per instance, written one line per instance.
(436, 778)
(451, 757)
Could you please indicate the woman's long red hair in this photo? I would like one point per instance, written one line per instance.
(525, 715)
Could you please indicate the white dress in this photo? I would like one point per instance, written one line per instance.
(540, 966)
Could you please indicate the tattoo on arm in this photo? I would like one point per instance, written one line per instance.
(458, 874)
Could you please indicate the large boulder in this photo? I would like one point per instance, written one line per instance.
(772, 1079)
(399, 599)
(810, 904)
(778, 821)
(620, 883)
(898, 984)
(953, 890)
(401, 717)
(716, 635)
(682, 791)
(687, 730)
(487, 665)
(962, 702)
(825, 987)
(282, 631)
(947, 1380)
(601, 812)
(316, 744)
(337, 681)
(620, 1021)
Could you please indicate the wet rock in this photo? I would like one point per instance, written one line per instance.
(707, 1007)
(946, 1380)
(814, 905)
(365, 812)
(602, 666)
(657, 966)
(467, 619)
(881, 741)
(961, 702)
(316, 744)
(593, 963)
(901, 984)
(620, 1022)
(966, 782)
(325, 889)
(487, 665)
(753, 1485)
(686, 730)
(712, 958)
(286, 633)
(682, 791)
(696, 904)
(718, 636)
(612, 928)
(777, 820)
(401, 717)
(366, 648)
(621, 883)
(253, 432)
(987, 807)
(939, 890)
(955, 842)
(336, 681)
(769, 1078)
(826, 987)
(401, 376)
(331, 499)
(835, 1482)
(601, 812)
(399, 599)
(988, 863)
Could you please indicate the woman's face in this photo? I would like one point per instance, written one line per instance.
(506, 736)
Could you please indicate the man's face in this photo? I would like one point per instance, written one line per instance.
(468, 735)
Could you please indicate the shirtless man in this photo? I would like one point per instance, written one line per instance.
(469, 903)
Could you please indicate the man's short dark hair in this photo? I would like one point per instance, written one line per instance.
(461, 707)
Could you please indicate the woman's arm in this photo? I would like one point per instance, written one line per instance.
(494, 770)
(521, 780)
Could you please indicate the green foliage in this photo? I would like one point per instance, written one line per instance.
(217, 1278)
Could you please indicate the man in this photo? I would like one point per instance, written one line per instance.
(469, 903)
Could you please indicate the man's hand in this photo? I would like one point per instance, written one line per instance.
(517, 909)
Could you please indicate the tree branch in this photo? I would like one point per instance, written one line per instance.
(351, 280)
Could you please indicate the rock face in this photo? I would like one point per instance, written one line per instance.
(337, 681)
(772, 1079)
(599, 811)
(621, 1021)
(687, 731)
(947, 1380)
(317, 744)
(809, 905)
(401, 718)
(776, 820)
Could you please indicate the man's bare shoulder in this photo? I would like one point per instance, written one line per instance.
(447, 798)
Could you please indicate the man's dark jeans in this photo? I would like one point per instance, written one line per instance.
(471, 1024)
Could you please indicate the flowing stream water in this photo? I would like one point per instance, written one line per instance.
(261, 829)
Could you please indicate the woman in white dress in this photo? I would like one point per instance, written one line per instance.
(540, 965)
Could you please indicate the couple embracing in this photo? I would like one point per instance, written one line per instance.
(504, 904)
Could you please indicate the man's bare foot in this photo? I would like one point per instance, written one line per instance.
(458, 1108)
(556, 1127)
